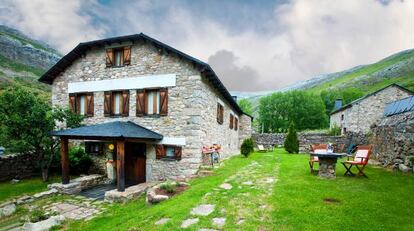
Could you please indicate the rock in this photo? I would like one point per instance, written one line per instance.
(24, 199)
(71, 188)
(404, 168)
(226, 186)
(162, 221)
(187, 223)
(48, 193)
(14, 181)
(7, 209)
(247, 183)
(203, 210)
(153, 198)
(241, 221)
(44, 225)
(219, 221)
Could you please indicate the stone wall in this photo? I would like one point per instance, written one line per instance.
(192, 105)
(245, 128)
(17, 166)
(393, 139)
(362, 114)
(305, 139)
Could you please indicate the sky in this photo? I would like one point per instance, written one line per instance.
(251, 45)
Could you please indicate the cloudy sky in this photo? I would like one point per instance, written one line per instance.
(252, 45)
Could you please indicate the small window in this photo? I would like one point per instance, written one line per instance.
(81, 103)
(153, 102)
(119, 57)
(95, 148)
(220, 113)
(231, 124)
(169, 152)
(236, 124)
(117, 103)
(342, 117)
(344, 131)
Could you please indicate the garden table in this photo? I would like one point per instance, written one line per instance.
(327, 163)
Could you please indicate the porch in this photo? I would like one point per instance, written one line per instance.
(127, 142)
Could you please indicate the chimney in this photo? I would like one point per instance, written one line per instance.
(338, 104)
(234, 98)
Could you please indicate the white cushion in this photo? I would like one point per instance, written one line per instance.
(320, 151)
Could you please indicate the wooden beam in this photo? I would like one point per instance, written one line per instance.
(64, 156)
(120, 164)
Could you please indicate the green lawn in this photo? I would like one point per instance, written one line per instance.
(293, 201)
(24, 187)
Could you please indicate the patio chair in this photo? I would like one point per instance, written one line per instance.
(360, 160)
(316, 148)
(261, 148)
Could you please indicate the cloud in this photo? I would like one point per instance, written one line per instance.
(62, 24)
(278, 43)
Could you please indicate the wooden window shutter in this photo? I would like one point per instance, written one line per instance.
(231, 121)
(108, 103)
(164, 101)
(72, 102)
(159, 151)
(125, 103)
(109, 57)
(141, 102)
(236, 124)
(218, 112)
(177, 153)
(127, 55)
(89, 104)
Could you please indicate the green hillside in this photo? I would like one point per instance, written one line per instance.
(398, 68)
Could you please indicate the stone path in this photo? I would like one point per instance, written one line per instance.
(245, 195)
(73, 211)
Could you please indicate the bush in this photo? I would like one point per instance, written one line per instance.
(334, 130)
(79, 161)
(247, 147)
(37, 215)
(168, 187)
(291, 142)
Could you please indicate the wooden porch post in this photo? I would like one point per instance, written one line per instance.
(120, 163)
(64, 156)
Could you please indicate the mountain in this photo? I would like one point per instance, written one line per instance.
(397, 68)
(23, 60)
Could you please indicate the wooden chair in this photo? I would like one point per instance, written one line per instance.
(360, 160)
(316, 148)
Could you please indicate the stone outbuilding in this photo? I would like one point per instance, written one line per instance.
(359, 115)
(157, 107)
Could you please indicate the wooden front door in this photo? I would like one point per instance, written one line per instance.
(135, 163)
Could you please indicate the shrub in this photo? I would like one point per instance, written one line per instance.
(291, 142)
(168, 187)
(37, 215)
(247, 147)
(334, 130)
(79, 161)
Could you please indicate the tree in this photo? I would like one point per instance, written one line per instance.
(246, 106)
(291, 143)
(347, 95)
(25, 122)
(305, 109)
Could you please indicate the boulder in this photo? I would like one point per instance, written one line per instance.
(7, 209)
(153, 198)
(44, 225)
(404, 168)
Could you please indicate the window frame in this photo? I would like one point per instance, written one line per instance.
(220, 113)
(163, 155)
(156, 102)
(77, 102)
(114, 53)
(120, 106)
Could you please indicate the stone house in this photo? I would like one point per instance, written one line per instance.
(359, 115)
(149, 108)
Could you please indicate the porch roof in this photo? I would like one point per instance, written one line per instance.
(116, 129)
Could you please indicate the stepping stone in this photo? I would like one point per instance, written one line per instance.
(208, 229)
(203, 210)
(187, 223)
(241, 221)
(219, 221)
(247, 183)
(226, 186)
(162, 221)
(269, 180)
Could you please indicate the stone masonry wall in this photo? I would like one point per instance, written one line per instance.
(366, 112)
(191, 105)
(17, 166)
(245, 128)
(393, 139)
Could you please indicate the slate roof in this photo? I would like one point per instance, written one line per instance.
(81, 49)
(370, 94)
(117, 129)
(399, 106)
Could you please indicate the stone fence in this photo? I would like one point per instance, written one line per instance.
(393, 141)
(17, 166)
(306, 139)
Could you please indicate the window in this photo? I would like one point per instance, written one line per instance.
(344, 131)
(231, 124)
(220, 113)
(81, 103)
(342, 117)
(96, 148)
(152, 102)
(118, 57)
(116, 103)
(236, 124)
(168, 152)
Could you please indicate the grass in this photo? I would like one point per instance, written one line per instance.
(294, 201)
(24, 187)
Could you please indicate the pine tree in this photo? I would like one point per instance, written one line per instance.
(291, 144)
